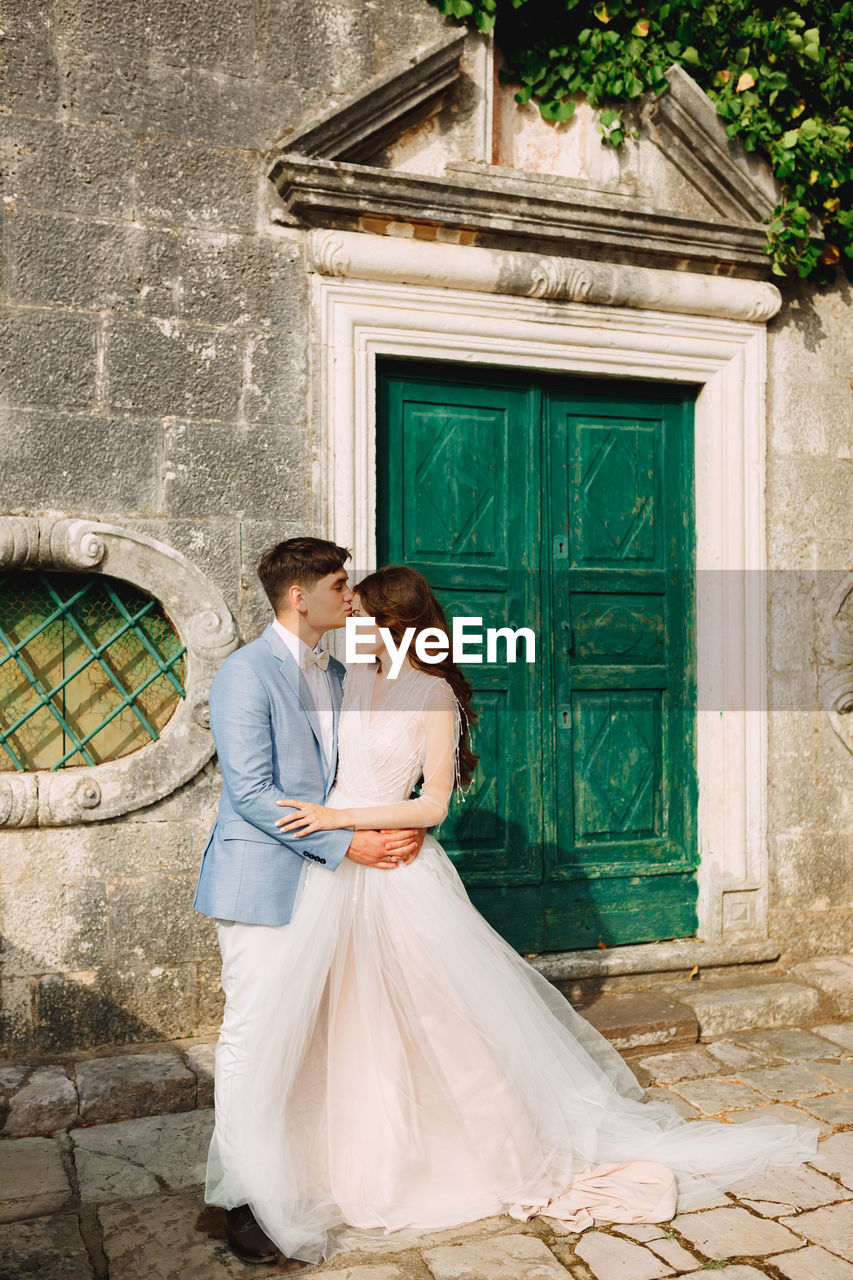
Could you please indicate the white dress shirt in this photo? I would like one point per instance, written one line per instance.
(318, 685)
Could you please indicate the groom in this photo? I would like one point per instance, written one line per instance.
(274, 708)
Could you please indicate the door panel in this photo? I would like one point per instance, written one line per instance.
(451, 506)
(621, 588)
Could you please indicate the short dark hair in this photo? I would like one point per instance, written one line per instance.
(302, 561)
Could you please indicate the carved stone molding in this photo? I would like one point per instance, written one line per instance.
(496, 208)
(402, 261)
(202, 620)
(381, 109)
(685, 126)
(835, 662)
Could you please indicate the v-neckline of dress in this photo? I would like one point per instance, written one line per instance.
(372, 712)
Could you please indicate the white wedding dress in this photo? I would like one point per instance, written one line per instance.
(414, 1071)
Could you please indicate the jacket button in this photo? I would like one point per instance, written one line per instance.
(321, 860)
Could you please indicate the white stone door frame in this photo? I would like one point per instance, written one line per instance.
(358, 320)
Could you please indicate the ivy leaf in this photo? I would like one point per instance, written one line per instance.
(690, 56)
(790, 139)
(640, 28)
(811, 44)
(745, 81)
(558, 112)
(601, 13)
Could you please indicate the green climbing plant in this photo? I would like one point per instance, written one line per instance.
(781, 79)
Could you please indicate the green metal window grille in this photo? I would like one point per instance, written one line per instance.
(90, 669)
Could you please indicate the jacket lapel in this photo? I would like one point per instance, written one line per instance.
(335, 685)
(294, 677)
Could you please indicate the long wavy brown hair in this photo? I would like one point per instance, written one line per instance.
(399, 597)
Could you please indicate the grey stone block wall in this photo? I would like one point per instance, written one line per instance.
(155, 374)
(810, 551)
(154, 366)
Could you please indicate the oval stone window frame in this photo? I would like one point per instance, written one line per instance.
(203, 621)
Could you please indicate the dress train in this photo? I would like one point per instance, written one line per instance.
(418, 1073)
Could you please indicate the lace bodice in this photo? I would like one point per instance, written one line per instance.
(414, 734)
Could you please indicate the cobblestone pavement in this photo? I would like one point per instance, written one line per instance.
(122, 1200)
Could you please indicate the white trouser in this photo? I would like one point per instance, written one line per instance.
(247, 950)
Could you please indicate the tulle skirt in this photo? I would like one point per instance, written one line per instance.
(406, 1068)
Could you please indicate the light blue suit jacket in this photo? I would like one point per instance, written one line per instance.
(268, 741)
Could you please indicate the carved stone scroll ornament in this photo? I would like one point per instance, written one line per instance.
(398, 260)
(835, 662)
(202, 620)
(19, 799)
(57, 544)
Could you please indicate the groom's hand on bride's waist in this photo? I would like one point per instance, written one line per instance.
(386, 849)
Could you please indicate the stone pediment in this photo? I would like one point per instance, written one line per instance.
(341, 171)
(384, 109)
(685, 126)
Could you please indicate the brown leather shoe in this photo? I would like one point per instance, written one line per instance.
(245, 1238)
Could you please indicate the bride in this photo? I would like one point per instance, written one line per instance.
(420, 1074)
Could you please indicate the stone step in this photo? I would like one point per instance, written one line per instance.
(642, 1020)
(120, 1083)
(689, 1012)
(722, 1009)
(140, 1080)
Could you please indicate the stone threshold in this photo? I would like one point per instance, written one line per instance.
(654, 957)
(82, 1087)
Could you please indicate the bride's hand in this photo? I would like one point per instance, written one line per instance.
(309, 817)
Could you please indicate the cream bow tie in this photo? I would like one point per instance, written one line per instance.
(318, 658)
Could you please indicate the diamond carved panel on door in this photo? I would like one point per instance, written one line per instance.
(616, 766)
(615, 478)
(454, 500)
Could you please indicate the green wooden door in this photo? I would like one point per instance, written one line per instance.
(567, 508)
